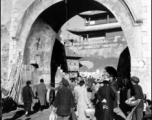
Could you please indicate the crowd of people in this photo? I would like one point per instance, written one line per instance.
(106, 96)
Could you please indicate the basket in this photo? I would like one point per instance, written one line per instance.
(89, 112)
(132, 102)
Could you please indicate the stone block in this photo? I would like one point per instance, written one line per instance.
(148, 60)
(15, 14)
(144, 9)
(149, 9)
(149, 46)
(149, 34)
(145, 39)
(145, 47)
(149, 3)
(144, 15)
(13, 19)
(144, 21)
(144, 33)
(143, 3)
(146, 54)
(144, 27)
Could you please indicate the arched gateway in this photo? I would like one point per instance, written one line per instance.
(118, 7)
(41, 8)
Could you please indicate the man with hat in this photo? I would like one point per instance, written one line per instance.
(137, 93)
(64, 101)
(27, 95)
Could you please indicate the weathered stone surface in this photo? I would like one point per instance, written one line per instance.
(38, 48)
(4, 54)
(97, 54)
(6, 7)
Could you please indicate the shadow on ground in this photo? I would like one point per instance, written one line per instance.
(19, 114)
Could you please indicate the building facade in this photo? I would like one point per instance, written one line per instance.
(100, 43)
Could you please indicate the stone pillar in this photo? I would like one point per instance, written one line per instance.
(141, 66)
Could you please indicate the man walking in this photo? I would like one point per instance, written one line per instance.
(27, 95)
(64, 101)
(41, 94)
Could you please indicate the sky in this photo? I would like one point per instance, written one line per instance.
(75, 22)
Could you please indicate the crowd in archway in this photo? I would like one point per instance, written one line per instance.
(109, 98)
(87, 98)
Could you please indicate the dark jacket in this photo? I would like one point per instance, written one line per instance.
(90, 82)
(114, 86)
(27, 94)
(106, 92)
(138, 94)
(64, 101)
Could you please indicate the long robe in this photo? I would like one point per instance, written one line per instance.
(105, 92)
(82, 100)
(41, 92)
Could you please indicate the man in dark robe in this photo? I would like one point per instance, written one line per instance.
(106, 97)
(27, 95)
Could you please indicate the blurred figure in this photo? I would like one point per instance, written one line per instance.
(125, 85)
(72, 85)
(76, 88)
(27, 95)
(82, 100)
(35, 105)
(137, 93)
(147, 112)
(90, 83)
(113, 83)
(41, 94)
(64, 102)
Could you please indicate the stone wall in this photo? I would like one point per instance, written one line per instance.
(97, 54)
(38, 49)
(4, 54)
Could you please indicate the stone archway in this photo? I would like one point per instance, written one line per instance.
(115, 6)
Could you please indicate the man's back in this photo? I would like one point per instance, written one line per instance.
(27, 94)
(41, 89)
(64, 101)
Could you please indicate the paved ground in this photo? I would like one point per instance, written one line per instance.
(19, 115)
